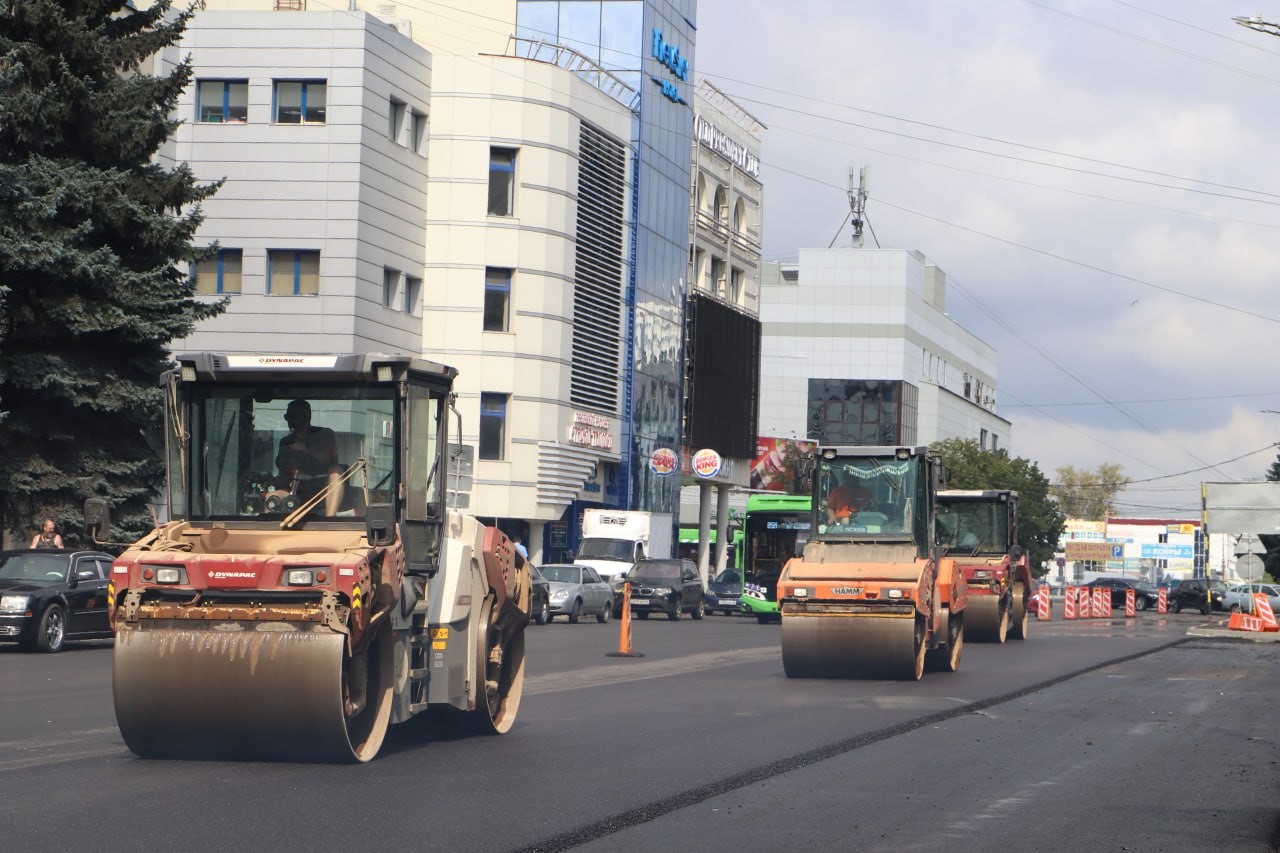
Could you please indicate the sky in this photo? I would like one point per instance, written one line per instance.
(1098, 180)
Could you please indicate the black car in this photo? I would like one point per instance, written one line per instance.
(539, 598)
(50, 596)
(1192, 594)
(1144, 597)
(666, 586)
(725, 592)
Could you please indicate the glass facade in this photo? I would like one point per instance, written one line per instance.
(650, 45)
(862, 411)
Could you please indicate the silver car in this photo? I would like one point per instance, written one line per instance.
(1240, 597)
(576, 591)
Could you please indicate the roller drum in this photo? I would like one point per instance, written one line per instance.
(853, 646)
(245, 690)
(1020, 622)
(987, 619)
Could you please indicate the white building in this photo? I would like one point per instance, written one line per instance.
(858, 349)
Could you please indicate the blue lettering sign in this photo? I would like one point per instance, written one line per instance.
(669, 55)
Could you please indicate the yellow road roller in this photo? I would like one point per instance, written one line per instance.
(869, 597)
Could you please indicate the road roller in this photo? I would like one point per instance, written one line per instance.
(869, 597)
(978, 532)
(314, 582)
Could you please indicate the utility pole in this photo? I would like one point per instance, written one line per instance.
(1255, 22)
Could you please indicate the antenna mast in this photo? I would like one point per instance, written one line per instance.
(858, 204)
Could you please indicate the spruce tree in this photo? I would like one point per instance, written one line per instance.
(95, 235)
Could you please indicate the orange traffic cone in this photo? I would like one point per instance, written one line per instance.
(624, 629)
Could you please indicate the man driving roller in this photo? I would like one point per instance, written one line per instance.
(308, 453)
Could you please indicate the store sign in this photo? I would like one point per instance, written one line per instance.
(664, 461)
(719, 142)
(1095, 551)
(590, 430)
(1167, 552)
(669, 55)
(706, 464)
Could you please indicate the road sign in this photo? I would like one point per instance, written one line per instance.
(1249, 543)
(1249, 567)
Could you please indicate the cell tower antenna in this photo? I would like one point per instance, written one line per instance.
(858, 203)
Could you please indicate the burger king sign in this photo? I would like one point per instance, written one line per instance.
(706, 463)
(663, 461)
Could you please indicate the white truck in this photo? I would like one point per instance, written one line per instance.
(612, 540)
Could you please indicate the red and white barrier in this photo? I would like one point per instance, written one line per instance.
(1262, 608)
(1069, 603)
(1044, 606)
(1162, 600)
(1101, 602)
(1130, 603)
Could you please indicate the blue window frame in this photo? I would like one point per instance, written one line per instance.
(222, 101)
(493, 425)
(300, 101)
(497, 299)
(220, 273)
(292, 272)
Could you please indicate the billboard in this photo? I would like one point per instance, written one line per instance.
(1241, 507)
(723, 378)
(781, 465)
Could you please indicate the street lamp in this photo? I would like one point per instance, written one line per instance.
(1255, 22)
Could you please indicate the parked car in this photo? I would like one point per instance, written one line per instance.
(1239, 598)
(48, 597)
(725, 592)
(577, 590)
(539, 597)
(666, 586)
(1195, 593)
(1144, 596)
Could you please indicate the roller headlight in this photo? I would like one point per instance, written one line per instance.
(168, 574)
(894, 593)
(300, 577)
(14, 603)
(981, 574)
(801, 592)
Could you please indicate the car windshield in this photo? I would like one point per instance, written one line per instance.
(729, 576)
(562, 574)
(607, 549)
(658, 570)
(38, 568)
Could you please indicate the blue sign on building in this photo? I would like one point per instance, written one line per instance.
(1167, 552)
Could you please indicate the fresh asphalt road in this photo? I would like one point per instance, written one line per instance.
(1100, 735)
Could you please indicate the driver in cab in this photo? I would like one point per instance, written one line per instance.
(846, 500)
(308, 454)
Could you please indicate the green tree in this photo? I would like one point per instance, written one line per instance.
(1088, 494)
(1039, 519)
(92, 232)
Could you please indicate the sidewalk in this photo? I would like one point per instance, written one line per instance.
(1217, 629)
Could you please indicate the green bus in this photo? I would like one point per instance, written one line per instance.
(689, 545)
(775, 528)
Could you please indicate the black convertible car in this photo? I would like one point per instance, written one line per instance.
(50, 596)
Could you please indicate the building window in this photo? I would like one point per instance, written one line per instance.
(497, 299)
(222, 101)
(995, 441)
(717, 276)
(493, 425)
(220, 273)
(396, 112)
(721, 205)
(417, 131)
(412, 295)
(300, 101)
(502, 181)
(739, 216)
(293, 273)
(736, 277)
(982, 439)
(390, 279)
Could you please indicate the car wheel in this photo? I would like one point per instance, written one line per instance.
(576, 613)
(543, 616)
(1235, 608)
(53, 629)
(700, 609)
(1140, 603)
(674, 613)
(762, 619)
(605, 612)
(1175, 606)
(1204, 610)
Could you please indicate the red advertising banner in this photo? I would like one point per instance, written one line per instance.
(778, 466)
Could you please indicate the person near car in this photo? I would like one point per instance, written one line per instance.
(308, 454)
(524, 552)
(48, 536)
